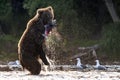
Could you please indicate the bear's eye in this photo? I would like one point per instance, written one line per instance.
(49, 16)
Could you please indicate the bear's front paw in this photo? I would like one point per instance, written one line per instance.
(47, 63)
(49, 68)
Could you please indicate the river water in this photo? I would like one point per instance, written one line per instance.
(60, 75)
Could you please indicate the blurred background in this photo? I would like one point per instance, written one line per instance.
(81, 23)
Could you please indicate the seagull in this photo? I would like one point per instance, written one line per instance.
(98, 66)
(79, 65)
(14, 64)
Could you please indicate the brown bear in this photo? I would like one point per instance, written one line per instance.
(30, 46)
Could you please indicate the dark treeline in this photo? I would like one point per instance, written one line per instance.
(78, 20)
(75, 16)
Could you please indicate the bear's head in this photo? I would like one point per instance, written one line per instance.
(47, 17)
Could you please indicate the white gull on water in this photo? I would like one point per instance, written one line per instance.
(14, 64)
(98, 66)
(79, 64)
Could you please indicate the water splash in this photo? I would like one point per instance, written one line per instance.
(51, 67)
(53, 45)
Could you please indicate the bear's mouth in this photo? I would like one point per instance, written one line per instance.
(47, 30)
(48, 27)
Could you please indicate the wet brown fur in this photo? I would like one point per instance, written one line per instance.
(30, 46)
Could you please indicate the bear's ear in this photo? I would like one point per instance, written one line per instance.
(39, 11)
(49, 8)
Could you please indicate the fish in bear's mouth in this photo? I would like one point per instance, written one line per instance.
(48, 27)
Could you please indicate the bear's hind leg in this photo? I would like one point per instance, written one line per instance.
(31, 64)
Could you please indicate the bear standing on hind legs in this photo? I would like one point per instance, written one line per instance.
(30, 46)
